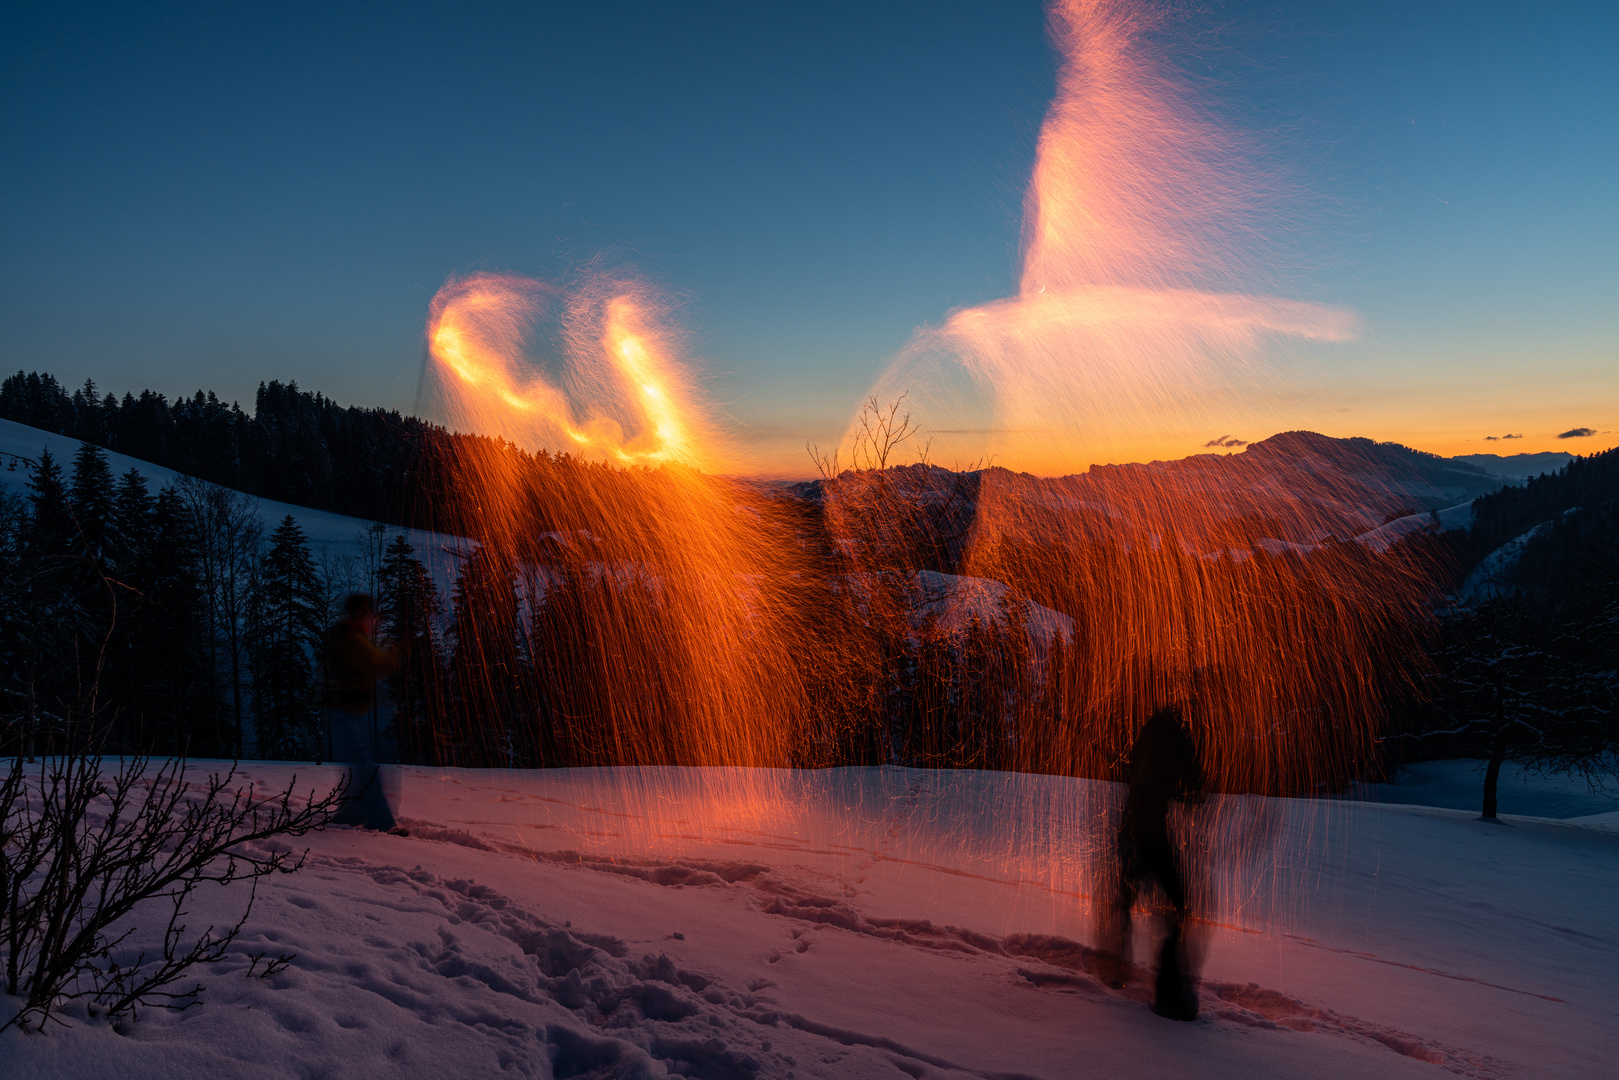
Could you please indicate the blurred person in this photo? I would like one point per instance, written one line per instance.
(353, 666)
(1163, 765)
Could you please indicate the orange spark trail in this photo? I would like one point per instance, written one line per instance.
(632, 613)
(651, 612)
(621, 395)
(1132, 336)
(1128, 336)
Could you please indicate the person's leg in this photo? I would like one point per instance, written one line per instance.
(1166, 868)
(1113, 916)
(1173, 995)
(352, 747)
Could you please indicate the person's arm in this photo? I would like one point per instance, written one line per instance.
(1193, 784)
(380, 662)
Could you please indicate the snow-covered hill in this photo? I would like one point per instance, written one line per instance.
(1286, 493)
(1384, 537)
(1486, 580)
(331, 536)
(956, 601)
(877, 923)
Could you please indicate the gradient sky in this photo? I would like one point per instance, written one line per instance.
(211, 196)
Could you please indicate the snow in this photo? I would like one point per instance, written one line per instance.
(1283, 547)
(1459, 785)
(330, 536)
(1485, 582)
(877, 923)
(957, 601)
(1386, 536)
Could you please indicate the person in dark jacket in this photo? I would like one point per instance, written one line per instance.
(1163, 766)
(353, 666)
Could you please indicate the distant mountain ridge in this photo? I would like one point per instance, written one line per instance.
(1295, 488)
(1519, 466)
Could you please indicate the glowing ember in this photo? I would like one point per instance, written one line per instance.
(620, 394)
(669, 616)
(1129, 338)
(1129, 335)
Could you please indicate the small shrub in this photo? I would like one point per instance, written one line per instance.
(84, 850)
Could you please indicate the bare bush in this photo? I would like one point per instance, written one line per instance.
(84, 850)
(878, 430)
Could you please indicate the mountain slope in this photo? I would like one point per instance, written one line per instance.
(331, 536)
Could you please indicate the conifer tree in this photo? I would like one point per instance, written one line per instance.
(172, 689)
(121, 564)
(91, 497)
(132, 522)
(284, 635)
(99, 598)
(51, 532)
(13, 619)
(170, 650)
(486, 656)
(45, 672)
(90, 425)
(409, 605)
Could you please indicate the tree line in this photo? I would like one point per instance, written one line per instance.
(171, 622)
(1527, 670)
(137, 619)
(294, 447)
(1585, 484)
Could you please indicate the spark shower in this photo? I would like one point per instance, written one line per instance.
(714, 620)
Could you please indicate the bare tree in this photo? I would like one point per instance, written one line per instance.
(336, 575)
(879, 431)
(228, 534)
(1508, 686)
(828, 465)
(372, 542)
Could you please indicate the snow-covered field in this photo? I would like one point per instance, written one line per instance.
(1525, 792)
(879, 923)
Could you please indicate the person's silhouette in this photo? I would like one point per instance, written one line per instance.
(353, 666)
(1163, 765)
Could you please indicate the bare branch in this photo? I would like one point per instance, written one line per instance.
(82, 850)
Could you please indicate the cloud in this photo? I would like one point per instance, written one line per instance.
(1495, 438)
(1225, 440)
(1577, 433)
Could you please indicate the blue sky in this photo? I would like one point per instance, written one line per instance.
(210, 196)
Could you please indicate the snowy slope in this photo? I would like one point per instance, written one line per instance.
(1487, 578)
(880, 923)
(1386, 536)
(330, 535)
(1523, 790)
(956, 601)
